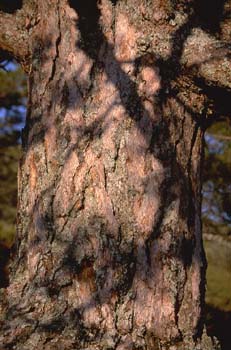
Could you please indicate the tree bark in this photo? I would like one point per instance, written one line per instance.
(109, 251)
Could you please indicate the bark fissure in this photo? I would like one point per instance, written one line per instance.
(56, 56)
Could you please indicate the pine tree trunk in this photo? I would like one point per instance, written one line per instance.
(109, 252)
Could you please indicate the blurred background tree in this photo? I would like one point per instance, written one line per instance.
(216, 215)
(217, 174)
(12, 115)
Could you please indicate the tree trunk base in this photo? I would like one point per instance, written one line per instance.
(22, 329)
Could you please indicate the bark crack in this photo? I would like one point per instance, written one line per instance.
(55, 58)
(182, 131)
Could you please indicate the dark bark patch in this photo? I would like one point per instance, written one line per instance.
(218, 96)
(126, 274)
(55, 326)
(76, 267)
(4, 260)
(187, 251)
(88, 24)
(210, 14)
(10, 6)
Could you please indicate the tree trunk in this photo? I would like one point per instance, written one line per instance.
(109, 251)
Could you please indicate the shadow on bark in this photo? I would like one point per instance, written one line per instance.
(114, 277)
(121, 257)
(210, 20)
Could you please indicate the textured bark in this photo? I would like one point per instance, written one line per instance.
(14, 34)
(109, 249)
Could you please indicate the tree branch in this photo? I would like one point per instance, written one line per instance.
(218, 69)
(14, 35)
(210, 56)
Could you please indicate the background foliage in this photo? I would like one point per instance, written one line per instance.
(12, 114)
